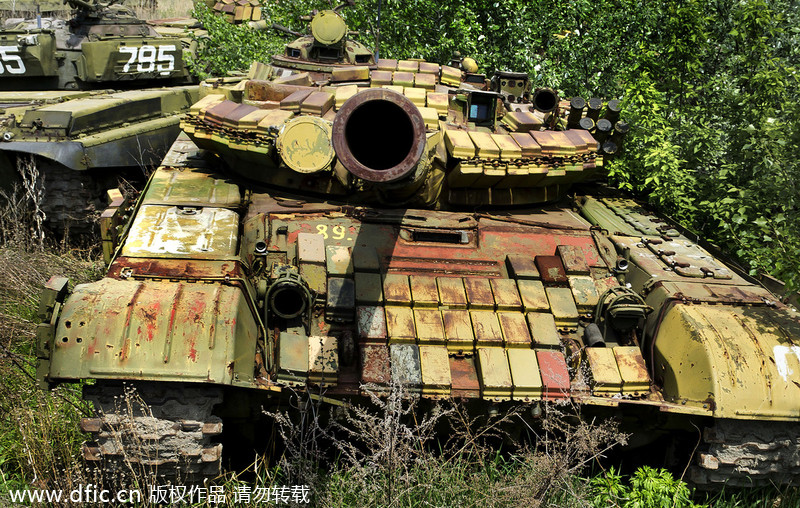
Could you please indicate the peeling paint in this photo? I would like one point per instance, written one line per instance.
(780, 353)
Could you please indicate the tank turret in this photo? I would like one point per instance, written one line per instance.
(328, 46)
(423, 142)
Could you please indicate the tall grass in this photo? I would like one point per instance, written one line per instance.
(39, 435)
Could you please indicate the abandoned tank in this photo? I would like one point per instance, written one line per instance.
(76, 112)
(408, 224)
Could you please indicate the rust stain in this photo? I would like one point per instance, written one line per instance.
(396, 289)
(423, 290)
(124, 353)
(212, 331)
(400, 323)
(149, 317)
(92, 349)
(429, 324)
(171, 328)
(173, 311)
(458, 329)
(505, 294)
(130, 305)
(486, 328)
(464, 376)
(551, 269)
(451, 292)
(515, 329)
(198, 308)
(175, 268)
(375, 366)
(156, 308)
(192, 349)
(479, 293)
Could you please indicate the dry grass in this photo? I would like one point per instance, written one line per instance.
(23, 274)
(38, 429)
(398, 450)
(39, 436)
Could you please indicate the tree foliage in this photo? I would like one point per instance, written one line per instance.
(710, 88)
(227, 47)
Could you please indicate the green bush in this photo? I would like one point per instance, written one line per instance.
(648, 488)
(228, 47)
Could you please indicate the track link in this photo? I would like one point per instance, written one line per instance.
(72, 200)
(154, 430)
(71, 197)
(748, 453)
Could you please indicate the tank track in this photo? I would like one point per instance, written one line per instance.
(741, 453)
(154, 430)
(69, 198)
(72, 200)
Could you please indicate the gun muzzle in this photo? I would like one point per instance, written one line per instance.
(545, 100)
(379, 136)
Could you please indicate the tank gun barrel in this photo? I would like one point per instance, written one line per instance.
(379, 136)
(262, 25)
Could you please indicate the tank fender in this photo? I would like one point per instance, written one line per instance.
(737, 362)
(50, 302)
(155, 330)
